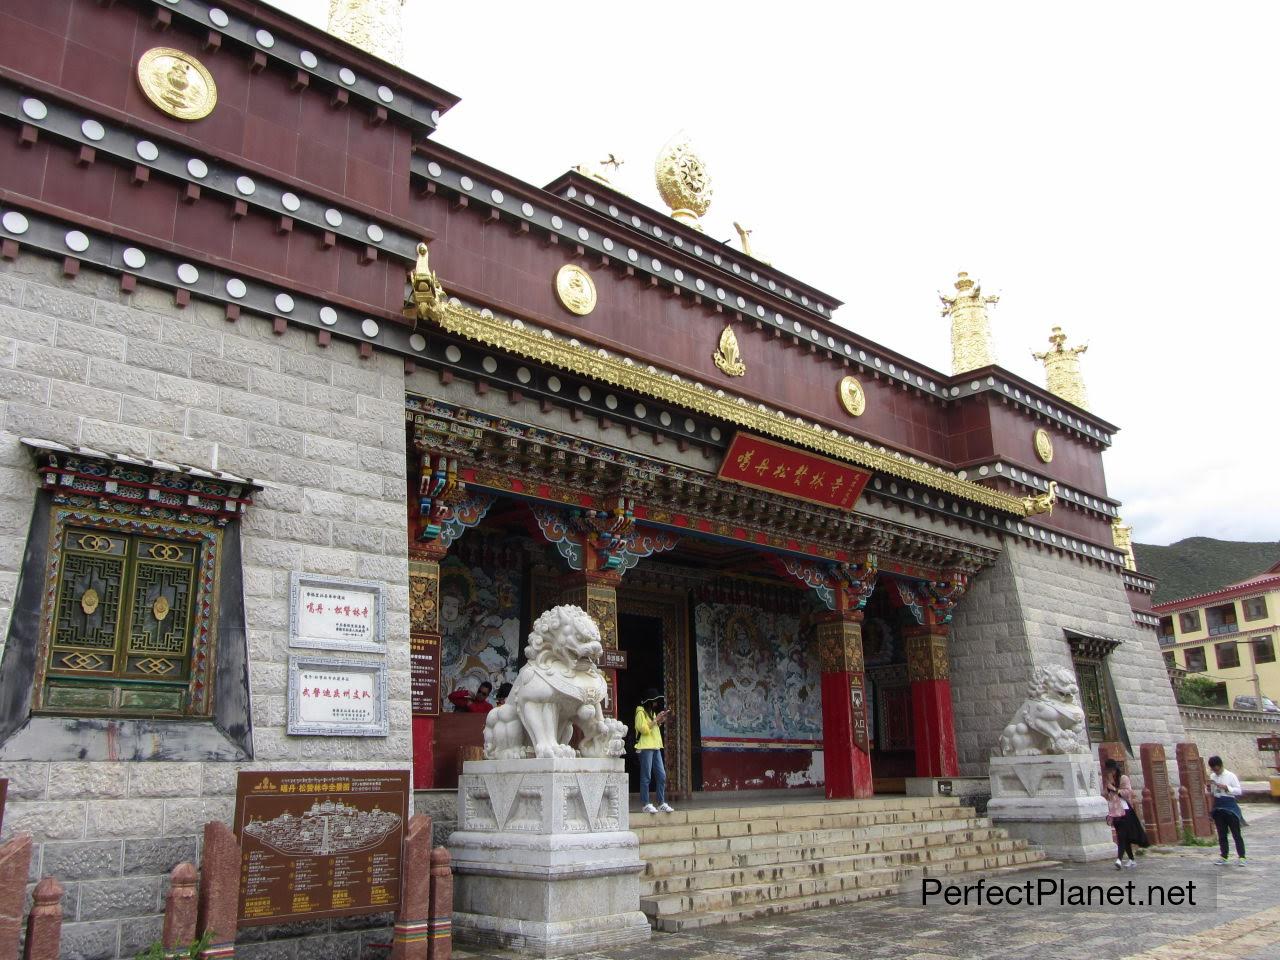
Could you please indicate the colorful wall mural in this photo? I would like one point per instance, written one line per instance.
(479, 623)
(758, 678)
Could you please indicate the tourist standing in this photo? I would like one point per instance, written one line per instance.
(1118, 790)
(1224, 787)
(650, 716)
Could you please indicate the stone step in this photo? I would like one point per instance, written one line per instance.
(693, 920)
(761, 899)
(943, 847)
(801, 809)
(654, 828)
(961, 860)
(801, 838)
(676, 922)
(965, 832)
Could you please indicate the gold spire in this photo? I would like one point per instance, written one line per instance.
(375, 26)
(1062, 370)
(683, 181)
(1122, 539)
(970, 328)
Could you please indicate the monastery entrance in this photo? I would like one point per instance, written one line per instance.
(789, 658)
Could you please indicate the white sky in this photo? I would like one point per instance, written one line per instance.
(1108, 167)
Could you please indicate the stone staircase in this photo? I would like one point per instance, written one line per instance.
(723, 864)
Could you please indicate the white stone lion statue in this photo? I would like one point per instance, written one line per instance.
(560, 687)
(1049, 720)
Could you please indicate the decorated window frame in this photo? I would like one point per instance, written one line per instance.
(82, 677)
(142, 661)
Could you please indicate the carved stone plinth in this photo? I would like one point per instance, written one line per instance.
(1053, 801)
(544, 862)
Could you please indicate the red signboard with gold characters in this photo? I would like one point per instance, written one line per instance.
(767, 465)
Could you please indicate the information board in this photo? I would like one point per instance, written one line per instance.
(424, 674)
(318, 844)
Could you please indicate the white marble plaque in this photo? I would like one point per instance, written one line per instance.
(337, 698)
(335, 613)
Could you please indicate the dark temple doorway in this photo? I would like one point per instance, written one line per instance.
(641, 637)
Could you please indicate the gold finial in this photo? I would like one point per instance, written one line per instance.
(426, 295)
(683, 181)
(970, 327)
(1062, 369)
(375, 26)
(1122, 539)
(728, 358)
(744, 240)
(596, 170)
(1042, 502)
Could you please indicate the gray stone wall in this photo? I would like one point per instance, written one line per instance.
(1013, 619)
(82, 363)
(1233, 736)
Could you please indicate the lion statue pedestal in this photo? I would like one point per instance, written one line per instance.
(544, 862)
(1045, 784)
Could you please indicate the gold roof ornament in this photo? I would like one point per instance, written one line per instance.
(596, 171)
(375, 26)
(744, 241)
(1122, 540)
(683, 181)
(1062, 369)
(426, 294)
(970, 328)
(728, 358)
(1042, 502)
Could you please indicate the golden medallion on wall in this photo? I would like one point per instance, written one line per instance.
(89, 601)
(177, 83)
(160, 609)
(852, 397)
(576, 289)
(1044, 445)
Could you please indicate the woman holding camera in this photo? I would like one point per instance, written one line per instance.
(650, 716)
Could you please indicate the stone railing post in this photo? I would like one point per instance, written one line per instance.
(219, 890)
(413, 920)
(15, 865)
(44, 926)
(441, 911)
(181, 906)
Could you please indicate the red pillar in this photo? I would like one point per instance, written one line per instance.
(845, 746)
(424, 657)
(933, 720)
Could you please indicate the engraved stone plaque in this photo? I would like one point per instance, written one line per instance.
(336, 613)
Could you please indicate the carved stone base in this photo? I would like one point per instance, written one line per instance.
(1053, 801)
(543, 861)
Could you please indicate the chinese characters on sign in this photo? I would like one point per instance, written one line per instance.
(337, 698)
(857, 697)
(319, 844)
(424, 680)
(336, 613)
(766, 465)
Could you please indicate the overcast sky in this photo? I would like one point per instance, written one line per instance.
(1110, 168)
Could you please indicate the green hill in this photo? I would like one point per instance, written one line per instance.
(1201, 564)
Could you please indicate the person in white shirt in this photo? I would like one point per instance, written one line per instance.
(1223, 787)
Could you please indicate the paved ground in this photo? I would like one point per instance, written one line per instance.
(1242, 924)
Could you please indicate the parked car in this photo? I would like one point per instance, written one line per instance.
(1251, 703)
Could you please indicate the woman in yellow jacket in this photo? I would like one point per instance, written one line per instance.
(649, 720)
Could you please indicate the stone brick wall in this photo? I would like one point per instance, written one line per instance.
(1013, 619)
(82, 363)
(1233, 736)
